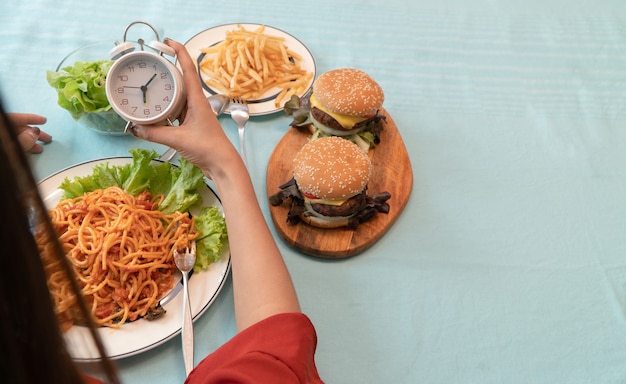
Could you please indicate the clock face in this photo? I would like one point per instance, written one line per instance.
(143, 87)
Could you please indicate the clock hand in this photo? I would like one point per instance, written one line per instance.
(149, 81)
(144, 88)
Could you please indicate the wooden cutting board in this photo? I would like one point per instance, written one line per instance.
(392, 173)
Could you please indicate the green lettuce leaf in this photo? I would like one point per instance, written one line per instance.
(81, 87)
(212, 228)
(136, 177)
(183, 191)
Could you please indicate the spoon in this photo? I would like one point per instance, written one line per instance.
(219, 103)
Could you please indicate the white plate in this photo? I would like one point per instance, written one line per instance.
(264, 105)
(141, 335)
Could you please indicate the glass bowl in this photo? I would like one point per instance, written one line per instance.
(105, 121)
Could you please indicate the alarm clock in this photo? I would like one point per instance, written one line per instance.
(142, 86)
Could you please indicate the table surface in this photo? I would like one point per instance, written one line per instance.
(508, 264)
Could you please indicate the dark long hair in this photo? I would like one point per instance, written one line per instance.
(32, 344)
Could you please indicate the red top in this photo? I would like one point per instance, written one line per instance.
(279, 349)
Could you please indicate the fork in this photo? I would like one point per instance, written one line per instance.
(185, 261)
(241, 114)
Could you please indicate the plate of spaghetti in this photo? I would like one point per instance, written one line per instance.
(121, 248)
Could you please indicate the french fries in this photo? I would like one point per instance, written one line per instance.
(248, 64)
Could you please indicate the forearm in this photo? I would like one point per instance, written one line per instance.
(261, 282)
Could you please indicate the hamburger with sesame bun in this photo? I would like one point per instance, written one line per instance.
(328, 188)
(344, 102)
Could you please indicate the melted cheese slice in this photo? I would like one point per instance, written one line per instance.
(325, 201)
(346, 121)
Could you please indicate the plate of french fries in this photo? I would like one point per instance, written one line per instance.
(263, 65)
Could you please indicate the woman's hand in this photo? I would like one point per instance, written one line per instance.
(199, 138)
(28, 134)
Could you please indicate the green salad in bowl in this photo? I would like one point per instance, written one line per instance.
(79, 81)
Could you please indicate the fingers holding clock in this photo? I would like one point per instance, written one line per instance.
(190, 76)
(199, 114)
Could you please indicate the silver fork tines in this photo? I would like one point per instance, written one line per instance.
(240, 113)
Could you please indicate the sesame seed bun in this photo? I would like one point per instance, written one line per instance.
(349, 91)
(331, 168)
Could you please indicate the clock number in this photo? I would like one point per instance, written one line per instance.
(123, 77)
(168, 87)
(163, 75)
(157, 107)
(146, 112)
(119, 90)
(142, 65)
(124, 101)
(166, 99)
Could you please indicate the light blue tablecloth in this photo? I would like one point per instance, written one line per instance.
(508, 264)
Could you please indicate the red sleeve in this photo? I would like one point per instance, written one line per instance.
(279, 349)
(91, 380)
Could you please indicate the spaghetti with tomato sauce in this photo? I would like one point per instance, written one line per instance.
(121, 249)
